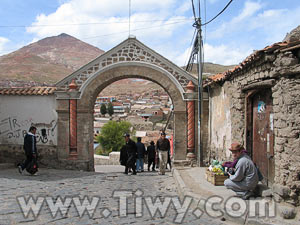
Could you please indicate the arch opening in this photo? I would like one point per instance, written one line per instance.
(145, 105)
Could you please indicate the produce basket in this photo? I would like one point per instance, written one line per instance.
(214, 178)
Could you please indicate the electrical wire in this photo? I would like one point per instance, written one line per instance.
(194, 12)
(218, 13)
(204, 21)
(111, 34)
(145, 28)
(85, 24)
(129, 17)
(191, 49)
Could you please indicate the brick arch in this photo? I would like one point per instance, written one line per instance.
(96, 83)
(76, 95)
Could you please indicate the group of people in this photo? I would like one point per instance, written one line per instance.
(243, 173)
(132, 154)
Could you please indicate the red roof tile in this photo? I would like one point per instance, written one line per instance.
(28, 91)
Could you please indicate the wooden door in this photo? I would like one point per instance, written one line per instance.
(263, 134)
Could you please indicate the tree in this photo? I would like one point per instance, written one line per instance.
(103, 109)
(110, 109)
(111, 137)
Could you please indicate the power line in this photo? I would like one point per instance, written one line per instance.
(117, 33)
(191, 48)
(218, 13)
(145, 28)
(205, 21)
(85, 24)
(194, 12)
(129, 17)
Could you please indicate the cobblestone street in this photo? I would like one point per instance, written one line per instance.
(106, 182)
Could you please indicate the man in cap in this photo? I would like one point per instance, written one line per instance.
(245, 177)
(162, 146)
(132, 152)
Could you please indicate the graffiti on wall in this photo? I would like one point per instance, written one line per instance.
(12, 129)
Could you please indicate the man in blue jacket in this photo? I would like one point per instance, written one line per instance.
(140, 155)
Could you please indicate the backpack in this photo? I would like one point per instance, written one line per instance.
(32, 167)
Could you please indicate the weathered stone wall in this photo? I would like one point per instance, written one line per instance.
(286, 100)
(14, 154)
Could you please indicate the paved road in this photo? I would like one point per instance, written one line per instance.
(106, 190)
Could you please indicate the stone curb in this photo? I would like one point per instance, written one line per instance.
(198, 201)
(4, 166)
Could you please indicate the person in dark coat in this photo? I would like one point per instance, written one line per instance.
(151, 156)
(132, 152)
(140, 155)
(123, 156)
(29, 149)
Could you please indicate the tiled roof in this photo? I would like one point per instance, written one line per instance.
(28, 91)
(281, 46)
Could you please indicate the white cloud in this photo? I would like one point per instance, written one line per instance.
(239, 22)
(113, 16)
(225, 55)
(275, 24)
(3, 42)
(182, 59)
(186, 6)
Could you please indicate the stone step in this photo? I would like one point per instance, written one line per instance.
(6, 166)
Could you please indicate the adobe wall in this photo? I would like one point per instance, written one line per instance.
(219, 122)
(17, 114)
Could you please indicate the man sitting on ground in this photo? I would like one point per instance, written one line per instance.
(245, 178)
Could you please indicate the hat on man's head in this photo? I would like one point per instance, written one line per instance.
(126, 135)
(236, 147)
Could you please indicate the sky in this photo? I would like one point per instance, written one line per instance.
(166, 26)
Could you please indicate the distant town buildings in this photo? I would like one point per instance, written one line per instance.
(142, 110)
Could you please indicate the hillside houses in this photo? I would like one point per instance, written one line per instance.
(139, 109)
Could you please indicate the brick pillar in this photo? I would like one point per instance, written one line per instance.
(73, 123)
(191, 125)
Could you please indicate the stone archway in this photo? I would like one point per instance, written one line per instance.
(76, 95)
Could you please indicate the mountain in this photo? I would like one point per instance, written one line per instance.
(45, 62)
(210, 69)
(51, 59)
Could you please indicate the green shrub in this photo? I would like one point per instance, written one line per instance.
(111, 136)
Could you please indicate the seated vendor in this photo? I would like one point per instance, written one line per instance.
(245, 177)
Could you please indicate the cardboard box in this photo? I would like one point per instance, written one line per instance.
(217, 180)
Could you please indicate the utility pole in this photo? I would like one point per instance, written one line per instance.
(200, 89)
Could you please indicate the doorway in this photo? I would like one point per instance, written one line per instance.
(260, 133)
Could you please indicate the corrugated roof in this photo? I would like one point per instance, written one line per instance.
(28, 91)
(281, 46)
